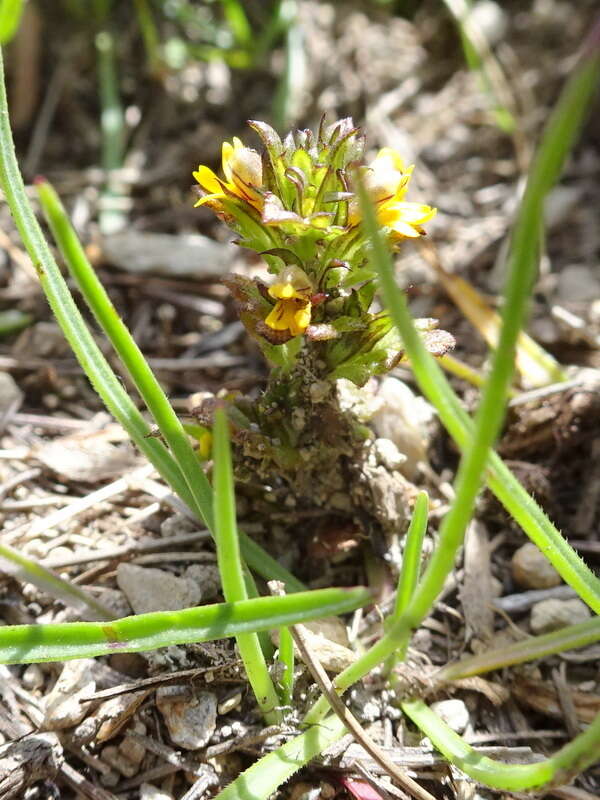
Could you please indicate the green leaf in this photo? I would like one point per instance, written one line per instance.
(27, 644)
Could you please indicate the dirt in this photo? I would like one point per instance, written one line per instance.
(400, 71)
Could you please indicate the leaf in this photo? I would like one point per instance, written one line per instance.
(26, 644)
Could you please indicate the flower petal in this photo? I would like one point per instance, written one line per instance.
(208, 180)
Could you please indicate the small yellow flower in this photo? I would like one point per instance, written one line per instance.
(387, 182)
(242, 168)
(292, 311)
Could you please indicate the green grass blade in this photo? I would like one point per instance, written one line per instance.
(474, 439)
(191, 482)
(563, 125)
(533, 647)
(10, 19)
(411, 565)
(286, 657)
(26, 569)
(580, 753)
(26, 644)
(411, 561)
(67, 315)
(231, 569)
(263, 778)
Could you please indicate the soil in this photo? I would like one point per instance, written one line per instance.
(77, 497)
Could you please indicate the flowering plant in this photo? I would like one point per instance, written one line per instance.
(315, 317)
(297, 208)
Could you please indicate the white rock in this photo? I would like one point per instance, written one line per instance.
(491, 20)
(63, 706)
(174, 255)
(532, 570)
(387, 454)
(155, 589)
(32, 677)
(150, 792)
(552, 614)
(454, 713)
(11, 396)
(403, 418)
(577, 284)
(191, 723)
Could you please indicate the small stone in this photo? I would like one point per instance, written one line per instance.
(229, 703)
(150, 792)
(454, 713)
(532, 570)
(207, 578)
(11, 396)
(191, 723)
(32, 677)
(404, 419)
(63, 704)
(155, 589)
(577, 284)
(112, 757)
(133, 750)
(490, 19)
(552, 614)
(387, 454)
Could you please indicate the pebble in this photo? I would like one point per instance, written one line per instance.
(132, 750)
(191, 723)
(149, 589)
(182, 255)
(207, 578)
(577, 284)
(552, 614)
(11, 396)
(32, 677)
(63, 708)
(403, 418)
(532, 570)
(387, 454)
(114, 758)
(491, 20)
(454, 713)
(150, 792)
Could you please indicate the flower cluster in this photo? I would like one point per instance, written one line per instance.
(295, 205)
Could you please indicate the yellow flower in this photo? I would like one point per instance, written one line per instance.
(242, 168)
(292, 310)
(387, 182)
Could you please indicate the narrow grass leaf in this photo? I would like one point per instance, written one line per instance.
(27, 569)
(231, 568)
(533, 647)
(264, 777)
(27, 644)
(185, 475)
(580, 753)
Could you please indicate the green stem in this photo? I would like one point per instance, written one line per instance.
(30, 644)
(574, 757)
(26, 569)
(231, 570)
(191, 483)
(533, 647)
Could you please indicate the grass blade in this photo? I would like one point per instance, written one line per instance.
(263, 778)
(231, 570)
(26, 569)
(533, 647)
(191, 482)
(580, 753)
(26, 644)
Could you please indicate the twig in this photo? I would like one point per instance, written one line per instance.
(350, 721)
